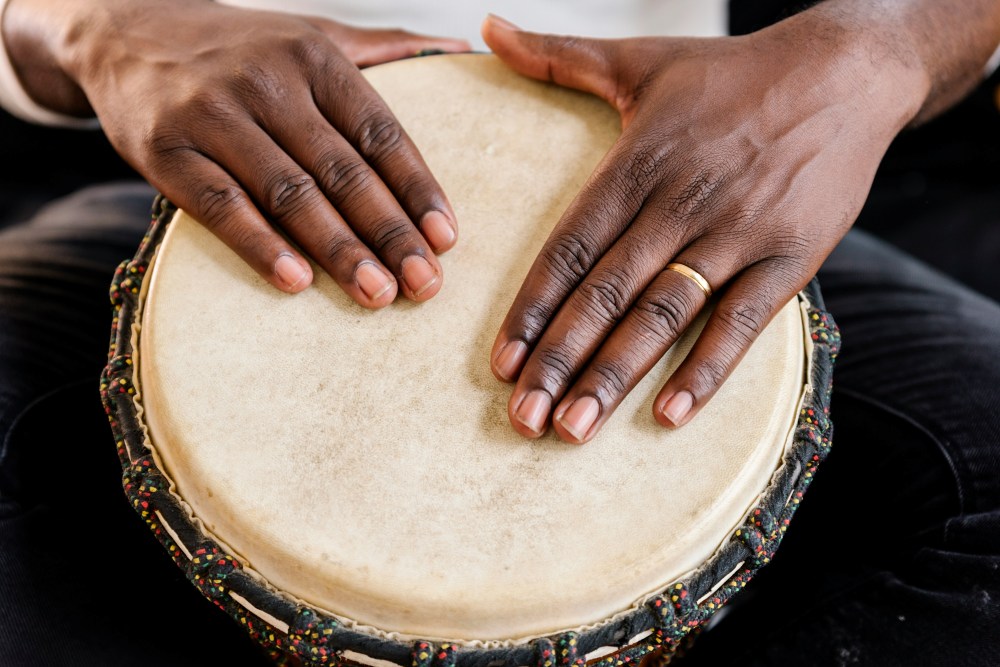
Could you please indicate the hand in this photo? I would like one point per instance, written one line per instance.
(746, 159)
(260, 125)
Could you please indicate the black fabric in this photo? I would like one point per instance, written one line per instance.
(82, 580)
(894, 556)
(746, 16)
(42, 163)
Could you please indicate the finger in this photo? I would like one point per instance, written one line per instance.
(585, 64)
(352, 106)
(364, 201)
(210, 195)
(663, 311)
(291, 198)
(594, 220)
(749, 303)
(590, 313)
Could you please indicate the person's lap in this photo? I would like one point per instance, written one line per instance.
(897, 543)
(894, 556)
(83, 581)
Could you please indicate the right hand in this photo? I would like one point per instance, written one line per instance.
(260, 125)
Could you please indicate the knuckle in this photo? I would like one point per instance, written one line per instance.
(555, 364)
(644, 167)
(607, 297)
(389, 234)
(253, 241)
(257, 82)
(735, 233)
(334, 79)
(166, 146)
(790, 255)
(556, 46)
(663, 314)
(532, 322)
(310, 49)
(340, 78)
(341, 249)
(613, 378)
(343, 177)
(568, 259)
(182, 125)
(785, 276)
(417, 187)
(698, 192)
(286, 193)
(379, 135)
(212, 110)
(744, 321)
(216, 203)
(709, 374)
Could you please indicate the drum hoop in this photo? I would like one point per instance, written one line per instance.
(280, 624)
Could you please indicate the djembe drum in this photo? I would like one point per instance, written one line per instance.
(345, 483)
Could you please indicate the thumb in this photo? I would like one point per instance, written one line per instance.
(590, 65)
(369, 46)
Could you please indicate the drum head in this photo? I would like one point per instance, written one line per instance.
(362, 462)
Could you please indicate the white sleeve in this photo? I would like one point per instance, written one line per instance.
(15, 100)
(991, 66)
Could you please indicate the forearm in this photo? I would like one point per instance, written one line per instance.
(942, 45)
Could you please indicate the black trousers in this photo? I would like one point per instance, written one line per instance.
(892, 559)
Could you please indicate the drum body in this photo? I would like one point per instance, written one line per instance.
(345, 483)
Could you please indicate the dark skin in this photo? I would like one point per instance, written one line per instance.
(255, 123)
(744, 158)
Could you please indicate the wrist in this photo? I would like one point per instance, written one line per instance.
(866, 59)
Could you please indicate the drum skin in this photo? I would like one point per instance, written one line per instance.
(356, 468)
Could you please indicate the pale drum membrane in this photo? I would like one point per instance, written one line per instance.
(363, 461)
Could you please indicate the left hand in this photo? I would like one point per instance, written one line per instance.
(745, 158)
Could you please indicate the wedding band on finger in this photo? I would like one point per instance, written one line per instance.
(696, 277)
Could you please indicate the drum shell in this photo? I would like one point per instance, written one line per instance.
(279, 621)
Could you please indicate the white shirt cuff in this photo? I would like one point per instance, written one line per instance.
(991, 66)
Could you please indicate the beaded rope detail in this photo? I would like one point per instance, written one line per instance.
(296, 634)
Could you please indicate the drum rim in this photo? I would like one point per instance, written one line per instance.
(280, 623)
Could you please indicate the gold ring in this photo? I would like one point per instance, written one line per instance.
(688, 272)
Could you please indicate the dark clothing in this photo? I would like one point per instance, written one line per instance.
(894, 556)
(82, 580)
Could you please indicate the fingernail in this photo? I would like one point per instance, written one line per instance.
(580, 416)
(372, 281)
(437, 230)
(289, 271)
(418, 274)
(678, 406)
(534, 409)
(503, 23)
(510, 358)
